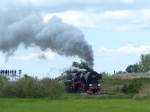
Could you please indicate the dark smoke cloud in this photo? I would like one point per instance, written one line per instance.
(30, 30)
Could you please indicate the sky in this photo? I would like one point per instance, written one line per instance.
(117, 30)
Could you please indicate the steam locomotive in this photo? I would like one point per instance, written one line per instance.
(83, 80)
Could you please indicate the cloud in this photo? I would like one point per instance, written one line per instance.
(64, 5)
(48, 55)
(81, 11)
(44, 2)
(108, 20)
(123, 50)
(128, 1)
(77, 18)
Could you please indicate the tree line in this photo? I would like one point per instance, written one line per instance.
(142, 66)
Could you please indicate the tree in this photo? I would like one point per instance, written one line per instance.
(133, 68)
(145, 62)
(142, 66)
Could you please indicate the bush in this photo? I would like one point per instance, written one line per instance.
(9, 89)
(52, 88)
(132, 87)
(3, 81)
(29, 87)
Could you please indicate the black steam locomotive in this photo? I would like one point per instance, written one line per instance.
(83, 80)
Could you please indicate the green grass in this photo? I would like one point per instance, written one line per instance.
(75, 105)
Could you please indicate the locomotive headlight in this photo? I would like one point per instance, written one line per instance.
(90, 85)
(99, 84)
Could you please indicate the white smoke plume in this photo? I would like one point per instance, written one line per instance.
(30, 30)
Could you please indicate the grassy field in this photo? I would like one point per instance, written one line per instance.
(75, 105)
